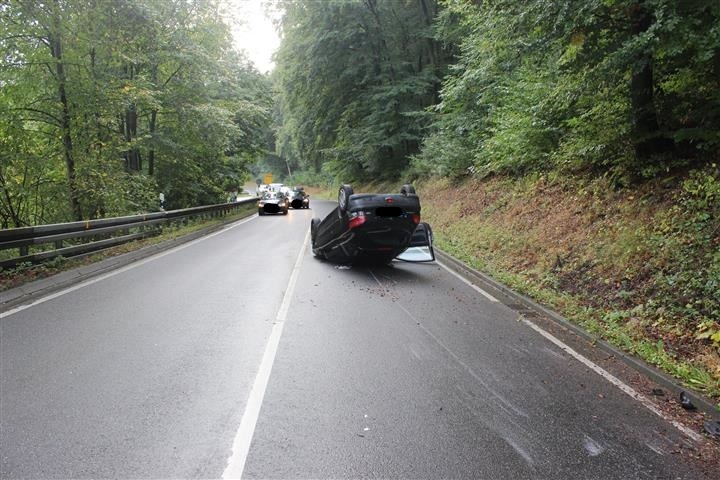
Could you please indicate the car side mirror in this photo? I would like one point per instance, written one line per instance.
(420, 249)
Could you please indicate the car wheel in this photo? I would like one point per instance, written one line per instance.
(314, 224)
(260, 211)
(343, 197)
(407, 189)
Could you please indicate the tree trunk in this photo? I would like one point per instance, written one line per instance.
(648, 138)
(132, 155)
(151, 153)
(433, 50)
(55, 43)
(153, 122)
(11, 214)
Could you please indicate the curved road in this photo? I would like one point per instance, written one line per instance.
(195, 363)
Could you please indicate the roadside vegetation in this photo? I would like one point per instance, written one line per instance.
(567, 148)
(637, 266)
(106, 104)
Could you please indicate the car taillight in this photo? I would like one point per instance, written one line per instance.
(357, 220)
(416, 218)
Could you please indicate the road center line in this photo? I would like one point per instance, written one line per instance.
(472, 285)
(121, 270)
(244, 435)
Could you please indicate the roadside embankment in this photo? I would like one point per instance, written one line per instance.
(639, 267)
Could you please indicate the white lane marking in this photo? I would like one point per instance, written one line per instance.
(121, 269)
(472, 285)
(594, 367)
(244, 435)
(614, 380)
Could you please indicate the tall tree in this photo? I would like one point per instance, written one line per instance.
(117, 100)
(355, 78)
(602, 85)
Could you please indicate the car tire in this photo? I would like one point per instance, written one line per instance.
(260, 211)
(314, 225)
(343, 197)
(407, 189)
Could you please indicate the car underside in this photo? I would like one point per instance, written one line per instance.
(372, 228)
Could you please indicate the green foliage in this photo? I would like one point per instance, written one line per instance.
(689, 236)
(309, 178)
(144, 85)
(541, 84)
(354, 79)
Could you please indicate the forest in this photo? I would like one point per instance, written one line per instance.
(105, 104)
(623, 88)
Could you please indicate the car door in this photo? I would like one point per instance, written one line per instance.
(420, 249)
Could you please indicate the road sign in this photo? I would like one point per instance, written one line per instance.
(267, 179)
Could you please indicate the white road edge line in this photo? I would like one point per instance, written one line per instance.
(244, 435)
(594, 367)
(122, 269)
(472, 285)
(614, 380)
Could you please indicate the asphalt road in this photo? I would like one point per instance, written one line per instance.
(389, 372)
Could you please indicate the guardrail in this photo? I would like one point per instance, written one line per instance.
(93, 235)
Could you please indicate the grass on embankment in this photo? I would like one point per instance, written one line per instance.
(640, 267)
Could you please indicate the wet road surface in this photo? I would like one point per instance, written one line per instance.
(388, 372)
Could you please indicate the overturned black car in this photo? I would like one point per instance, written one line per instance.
(373, 228)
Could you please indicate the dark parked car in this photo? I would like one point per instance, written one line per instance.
(299, 199)
(273, 202)
(373, 228)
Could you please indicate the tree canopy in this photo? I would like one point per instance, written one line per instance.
(627, 88)
(105, 104)
(355, 78)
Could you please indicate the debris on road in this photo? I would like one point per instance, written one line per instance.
(685, 402)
